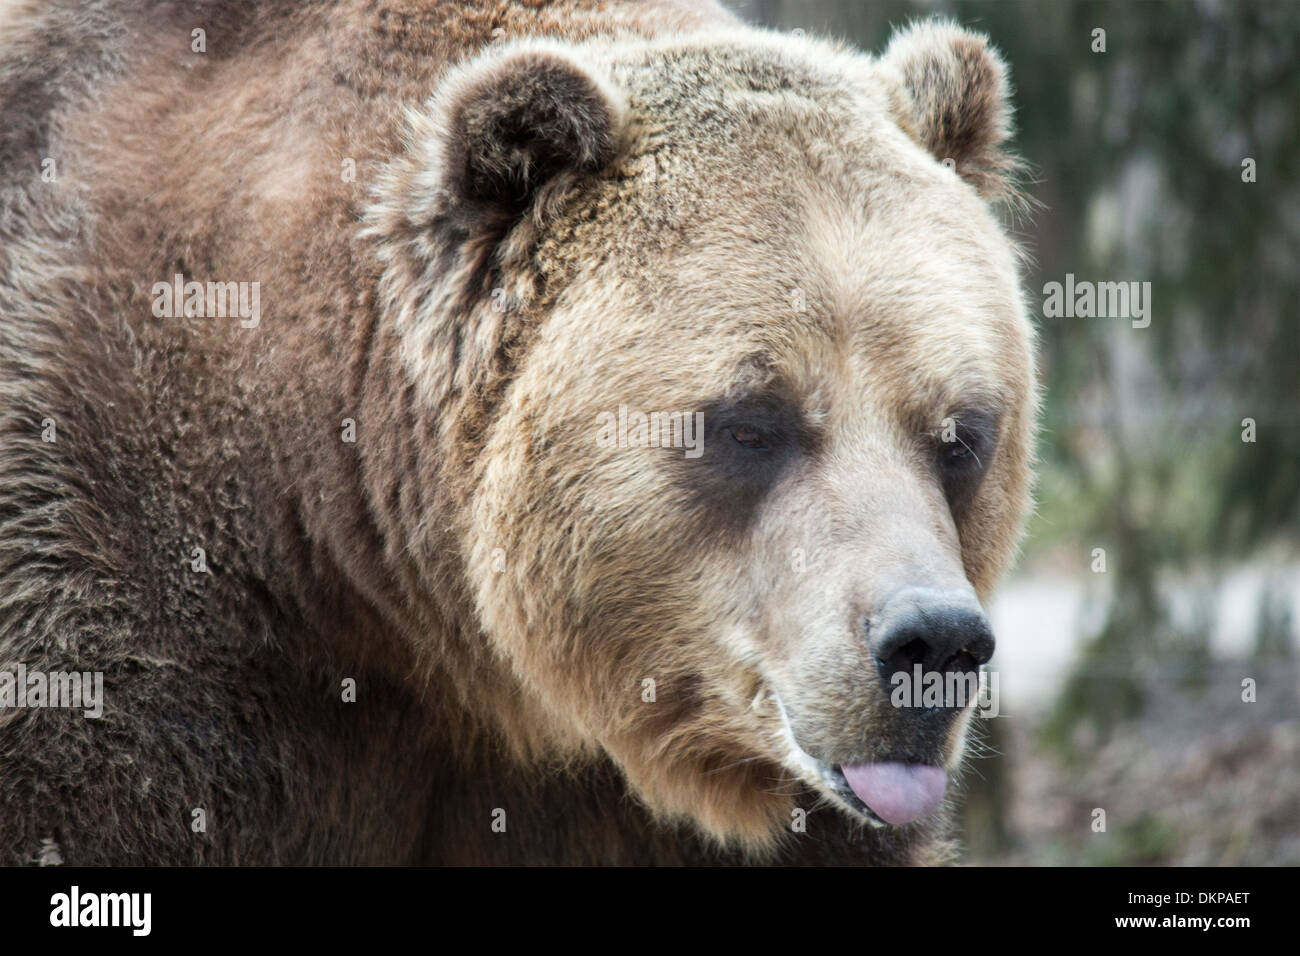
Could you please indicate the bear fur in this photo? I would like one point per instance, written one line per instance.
(476, 227)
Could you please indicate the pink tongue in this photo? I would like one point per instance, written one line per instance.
(898, 793)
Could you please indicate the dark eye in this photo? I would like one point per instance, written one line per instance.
(747, 436)
(958, 452)
(967, 442)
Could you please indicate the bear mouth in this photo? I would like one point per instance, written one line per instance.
(883, 793)
(896, 792)
(840, 784)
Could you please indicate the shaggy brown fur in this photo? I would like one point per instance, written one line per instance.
(556, 209)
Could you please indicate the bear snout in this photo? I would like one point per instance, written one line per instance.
(929, 636)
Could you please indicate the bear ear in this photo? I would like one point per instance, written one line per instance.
(514, 123)
(504, 139)
(954, 99)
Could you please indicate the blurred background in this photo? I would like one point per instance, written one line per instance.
(1147, 643)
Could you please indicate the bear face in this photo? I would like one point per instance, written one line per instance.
(787, 251)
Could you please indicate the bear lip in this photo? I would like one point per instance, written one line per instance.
(831, 780)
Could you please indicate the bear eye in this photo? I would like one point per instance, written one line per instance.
(959, 452)
(747, 436)
(965, 445)
(966, 440)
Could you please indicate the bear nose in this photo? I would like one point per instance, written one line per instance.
(942, 631)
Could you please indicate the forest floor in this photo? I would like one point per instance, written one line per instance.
(1200, 777)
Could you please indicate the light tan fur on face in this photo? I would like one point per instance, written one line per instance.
(794, 178)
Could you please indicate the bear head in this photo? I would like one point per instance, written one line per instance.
(724, 339)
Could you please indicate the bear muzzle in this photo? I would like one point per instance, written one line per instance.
(927, 645)
(927, 631)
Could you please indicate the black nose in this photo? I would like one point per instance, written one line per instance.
(942, 631)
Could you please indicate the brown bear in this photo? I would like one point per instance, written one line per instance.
(486, 432)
